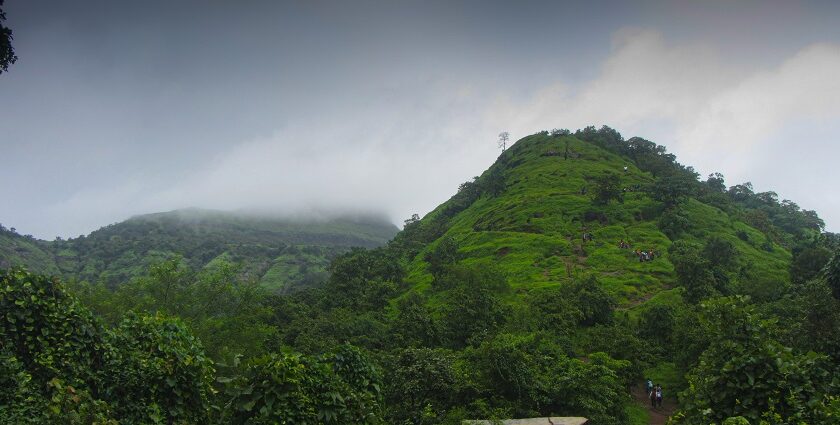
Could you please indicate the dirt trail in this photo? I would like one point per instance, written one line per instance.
(658, 416)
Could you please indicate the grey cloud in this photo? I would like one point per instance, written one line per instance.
(120, 108)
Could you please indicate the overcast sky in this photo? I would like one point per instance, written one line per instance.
(118, 108)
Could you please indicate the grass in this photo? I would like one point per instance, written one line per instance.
(636, 414)
(532, 231)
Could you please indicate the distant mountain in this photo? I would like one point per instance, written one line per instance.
(282, 253)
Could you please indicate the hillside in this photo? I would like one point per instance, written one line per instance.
(281, 253)
(533, 230)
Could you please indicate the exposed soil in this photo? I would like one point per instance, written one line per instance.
(658, 415)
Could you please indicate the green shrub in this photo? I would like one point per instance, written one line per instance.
(48, 332)
(158, 372)
(341, 388)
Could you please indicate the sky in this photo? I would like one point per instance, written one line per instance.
(119, 108)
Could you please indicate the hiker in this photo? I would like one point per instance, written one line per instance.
(651, 254)
(648, 386)
(625, 168)
(659, 395)
(652, 396)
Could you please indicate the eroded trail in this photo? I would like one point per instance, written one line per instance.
(658, 415)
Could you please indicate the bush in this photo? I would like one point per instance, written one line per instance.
(744, 372)
(673, 223)
(421, 379)
(48, 332)
(342, 388)
(158, 372)
(595, 304)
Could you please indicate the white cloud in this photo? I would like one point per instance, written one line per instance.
(713, 113)
(406, 150)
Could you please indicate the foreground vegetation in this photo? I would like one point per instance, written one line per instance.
(494, 305)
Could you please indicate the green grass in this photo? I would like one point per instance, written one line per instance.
(532, 231)
(636, 414)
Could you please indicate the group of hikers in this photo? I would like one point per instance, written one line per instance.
(643, 256)
(654, 393)
(648, 255)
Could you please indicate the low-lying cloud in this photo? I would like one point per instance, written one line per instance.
(405, 148)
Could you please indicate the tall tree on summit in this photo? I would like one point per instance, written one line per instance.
(7, 52)
(503, 139)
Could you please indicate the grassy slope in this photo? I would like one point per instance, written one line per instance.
(533, 231)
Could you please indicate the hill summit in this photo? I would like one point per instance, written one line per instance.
(555, 207)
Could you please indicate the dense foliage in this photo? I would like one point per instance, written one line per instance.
(283, 255)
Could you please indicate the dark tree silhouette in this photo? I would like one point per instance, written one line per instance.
(7, 52)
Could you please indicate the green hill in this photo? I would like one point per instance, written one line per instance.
(532, 230)
(281, 253)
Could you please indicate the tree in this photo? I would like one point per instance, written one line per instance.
(7, 52)
(715, 183)
(673, 222)
(832, 274)
(503, 139)
(532, 372)
(224, 311)
(808, 262)
(364, 279)
(420, 378)
(158, 372)
(595, 304)
(657, 324)
(342, 387)
(493, 183)
(693, 271)
(444, 255)
(720, 253)
(673, 188)
(744, 372)
(472, 309)
(414, 325)
(607, 188)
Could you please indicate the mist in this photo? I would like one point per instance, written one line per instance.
(326, 108)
